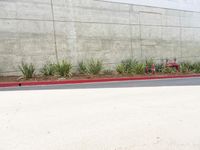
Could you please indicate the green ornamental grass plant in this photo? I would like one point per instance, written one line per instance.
(82, 68)
(121, 69)
(159, 67)
(196, 67)
(48, 69)
(130, 66)
(127, 66)
(94, 67)
(168, 70)
(139, 69)
(63, 69)
(186, 67)
(27, 70)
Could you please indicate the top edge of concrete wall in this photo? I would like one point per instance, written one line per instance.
(171, 5)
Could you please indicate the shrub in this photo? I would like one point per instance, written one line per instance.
(139, 69)
(27, 70)
(94, 67)
(63, 69)
(159, 67)
(129, 65)
(82, 68)
(185, 67)
(196, 67)
(168, 70)
(121, 69)
(48, 69)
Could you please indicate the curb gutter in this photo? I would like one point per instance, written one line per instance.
(42, 83)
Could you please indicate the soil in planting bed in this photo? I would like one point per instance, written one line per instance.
(55, 78)
(79, 77)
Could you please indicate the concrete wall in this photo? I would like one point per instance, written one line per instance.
(35, 31)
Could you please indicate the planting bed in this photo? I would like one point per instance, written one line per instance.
(90, 77)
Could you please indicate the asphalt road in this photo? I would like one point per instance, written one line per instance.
(121, 84)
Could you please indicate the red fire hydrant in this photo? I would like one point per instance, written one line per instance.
(153, 69)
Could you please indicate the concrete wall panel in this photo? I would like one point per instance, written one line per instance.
(34, 11)
(8, 9)
(149, 18)
(101, 16)
(25, 10)
(171, 34)
(151, 32)
(77, 30)
(187, 34)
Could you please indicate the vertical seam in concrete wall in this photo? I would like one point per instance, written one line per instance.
(180, 39)
(73, 50)
(54, 31)
(140, 28)
(131, 33)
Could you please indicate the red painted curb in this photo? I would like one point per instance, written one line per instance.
(38, 83)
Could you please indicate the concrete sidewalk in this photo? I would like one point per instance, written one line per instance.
(154, 118)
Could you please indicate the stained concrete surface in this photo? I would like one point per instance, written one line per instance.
(145, 118)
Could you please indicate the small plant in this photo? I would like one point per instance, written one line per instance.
(82, 68)
(129, 66)
(196, 67)
(139, 69)
(63, 69)
(48, 69)
(94, 67)
(168, 70)
(27, 70)
(121, 69)
(185, 67)
(159, 67)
